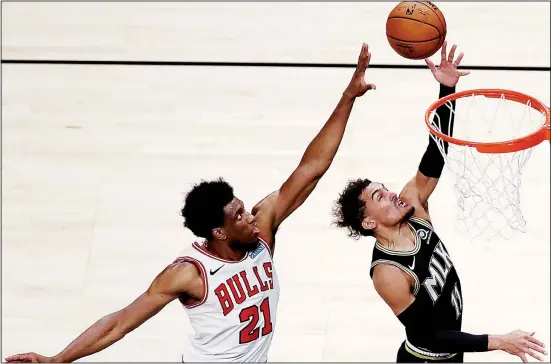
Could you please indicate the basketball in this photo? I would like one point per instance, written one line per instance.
(416, 29)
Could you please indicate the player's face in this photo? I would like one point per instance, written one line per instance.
(383, 207)
(239, 225)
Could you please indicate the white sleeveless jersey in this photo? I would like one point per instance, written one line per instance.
(235, 320)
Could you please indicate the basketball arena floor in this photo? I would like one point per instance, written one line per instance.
(96, 160)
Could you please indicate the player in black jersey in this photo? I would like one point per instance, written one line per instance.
(411, 268)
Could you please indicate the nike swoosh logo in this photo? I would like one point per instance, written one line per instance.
(213, 272)
(412, 266)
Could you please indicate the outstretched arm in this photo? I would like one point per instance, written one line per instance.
(276, 207)
(430, 169)
(172, 282)
(393, 286)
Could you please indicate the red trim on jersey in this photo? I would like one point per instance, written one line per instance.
(263, 242)
(203, 273)
(202, 249)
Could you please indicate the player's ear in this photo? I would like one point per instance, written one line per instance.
(369, 224)
(219, 234)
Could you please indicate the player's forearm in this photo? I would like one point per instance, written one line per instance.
(424, 331)
(96, 338)
(450, 341)
(432, 162)
(444, 112)
(324, 146)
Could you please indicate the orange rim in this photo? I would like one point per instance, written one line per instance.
(508, 146)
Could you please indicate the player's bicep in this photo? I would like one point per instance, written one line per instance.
(294, 192)
(142, 309)
(172, 282)
(393, 286)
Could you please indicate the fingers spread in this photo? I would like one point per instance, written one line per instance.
(535, 341)
(458, 60)
(463, 73)
(535, 355)
(531, 338)
(430, 64)
(444, 50)
(522, 356)
(452, 53)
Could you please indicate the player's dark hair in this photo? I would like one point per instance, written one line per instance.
(349, 209)
(204, 206)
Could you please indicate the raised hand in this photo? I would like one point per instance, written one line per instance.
(519, 343)
(29, 358)
(446, 73)
(358, 86)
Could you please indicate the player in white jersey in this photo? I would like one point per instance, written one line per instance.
(227, 284)
(244, 291)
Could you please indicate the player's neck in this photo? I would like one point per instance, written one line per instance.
(398, 237)
(223, 250)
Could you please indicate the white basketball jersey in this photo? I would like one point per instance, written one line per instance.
(235, 320)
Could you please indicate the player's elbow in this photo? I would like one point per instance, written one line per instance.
(313, 171)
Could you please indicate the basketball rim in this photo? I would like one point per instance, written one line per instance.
(507, 146)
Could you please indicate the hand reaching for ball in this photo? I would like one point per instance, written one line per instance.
(358, 86)
(446, 73)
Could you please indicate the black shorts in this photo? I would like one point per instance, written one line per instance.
(408, 355)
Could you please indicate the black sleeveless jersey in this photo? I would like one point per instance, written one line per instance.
(433, 273)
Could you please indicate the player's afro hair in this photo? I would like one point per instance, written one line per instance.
(204, 206)
(349, 209)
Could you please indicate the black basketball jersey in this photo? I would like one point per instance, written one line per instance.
(433, 273)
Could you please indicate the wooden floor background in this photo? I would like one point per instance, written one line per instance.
(96, 161)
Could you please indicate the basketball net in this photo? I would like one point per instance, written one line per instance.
(487, 185)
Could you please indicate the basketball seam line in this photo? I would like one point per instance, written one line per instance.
(435, 13)
(413, 41)
(425, 55)
(419, 21)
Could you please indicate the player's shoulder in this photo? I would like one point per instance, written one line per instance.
(177, 278)
(386, 274)
(183, 267)
(389, 279)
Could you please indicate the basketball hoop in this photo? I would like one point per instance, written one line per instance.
(494, 133)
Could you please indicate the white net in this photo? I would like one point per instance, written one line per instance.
(487, 185)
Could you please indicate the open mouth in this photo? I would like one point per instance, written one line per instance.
(255, 229)
(399, 202)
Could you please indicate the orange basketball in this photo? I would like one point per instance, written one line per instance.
(416, 29)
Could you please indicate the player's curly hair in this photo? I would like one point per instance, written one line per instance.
(349, 209)
(204, 206)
